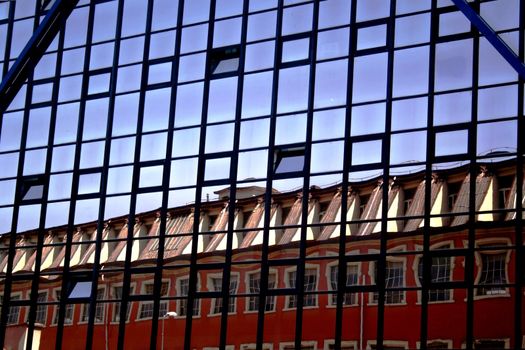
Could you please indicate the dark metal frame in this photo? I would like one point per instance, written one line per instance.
(53, 25)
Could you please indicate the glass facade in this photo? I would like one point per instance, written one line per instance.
(263, 174)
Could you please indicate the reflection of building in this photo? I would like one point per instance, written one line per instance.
(118, 110)
(494, 270)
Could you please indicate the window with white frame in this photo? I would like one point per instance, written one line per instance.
(117, 295)
(352, 276)
(146, 307)
(440, 272)
(265, 346)
(394, 278)
(388, 347)
(437, 345)
(99, 308)
(254, 287)
(310, 285)
(217, 287)
(345, 345)
(305, 345)
(492, 272)
(68, 318)
(14, 311)
(41, 310)
(490, 344)
(182, 291)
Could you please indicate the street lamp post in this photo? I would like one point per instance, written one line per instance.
(169, 314)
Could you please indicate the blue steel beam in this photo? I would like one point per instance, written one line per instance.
(34, 50)
(484, 28)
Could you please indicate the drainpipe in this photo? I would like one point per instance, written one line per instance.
(361, 326)
(106, 314)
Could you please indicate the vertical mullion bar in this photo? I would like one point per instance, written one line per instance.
(157, 279)
(129, 238)
(301, 267)
(166, 170)
(200, 182)
(74, 195)
(5, 68)
(101, 228)
(520, 271)
(427, 260)
(473, 172)
(38, 259)
(9, 40)
(342, 268)
(233, 181)
(385, 159)
(265, 269)
(8, 280)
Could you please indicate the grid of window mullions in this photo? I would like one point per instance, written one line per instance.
(430, 124)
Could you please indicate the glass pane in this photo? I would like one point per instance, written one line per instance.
(219, 138)
(194, 38)
(408, 148)
(453, 23)
(105, 21)
(333, 43)
(38, 129)
(10, 141)
(334, 13)
(192, 67)
(164, 14)
(411, 71)
(370, 78)
(227, 32)
(254, 133)
(257, 94)
(296, 50)
(372, 9)
(330, 83)
(157, 109)
(453, 142)
(95, 119)
(222, 99)
(259, 56)
(186, 142)
(410, 113)
(217, 169)
(89, 183)
(452, 108)
(125, 115)
(454, 65)
(188, 108)
(507, 97)
(412, 30)
(262, 26)
(368, 119)
(297, 19)
(293, 89)
(366, 152)
(370, 37)
(196, 11)
(493, 68)
(329, 124)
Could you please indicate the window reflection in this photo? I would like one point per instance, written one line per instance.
(293, 89)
